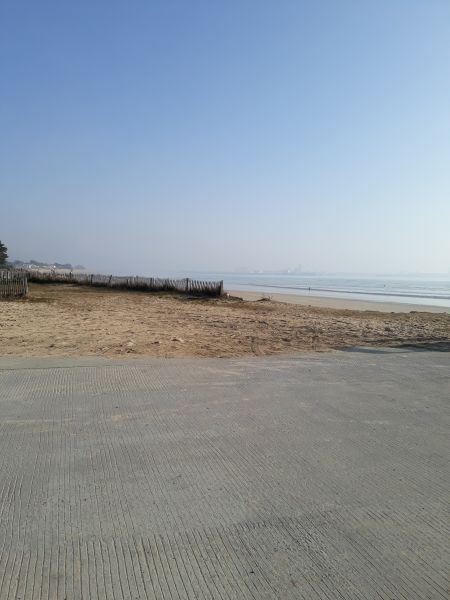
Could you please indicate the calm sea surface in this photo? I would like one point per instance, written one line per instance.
(430, 290)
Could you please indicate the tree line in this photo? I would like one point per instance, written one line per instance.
(3, 254)
(35, 263)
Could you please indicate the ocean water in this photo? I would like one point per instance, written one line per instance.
(424, 290)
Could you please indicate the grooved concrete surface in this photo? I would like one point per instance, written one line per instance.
(315, 477)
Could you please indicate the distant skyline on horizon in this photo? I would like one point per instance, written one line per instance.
(171, 136)
(250, 271)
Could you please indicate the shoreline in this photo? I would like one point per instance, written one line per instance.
(340, 303)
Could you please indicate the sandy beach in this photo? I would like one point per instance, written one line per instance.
(65, 320)
(341, 303)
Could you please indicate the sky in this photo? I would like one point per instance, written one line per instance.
(154, 136)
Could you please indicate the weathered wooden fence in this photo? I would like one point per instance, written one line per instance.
(151, 284)
(13, 284)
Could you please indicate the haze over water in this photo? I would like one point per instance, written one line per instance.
(432, 290)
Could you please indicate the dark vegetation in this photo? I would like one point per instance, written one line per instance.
(3, 254)
(55, 265)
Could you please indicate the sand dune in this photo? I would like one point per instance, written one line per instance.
(59, 320)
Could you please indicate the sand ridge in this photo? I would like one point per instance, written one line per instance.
(63, 320)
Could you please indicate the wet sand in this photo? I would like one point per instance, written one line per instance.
(341, 303)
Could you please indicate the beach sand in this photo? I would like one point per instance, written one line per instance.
(64, 320)
(341, 303)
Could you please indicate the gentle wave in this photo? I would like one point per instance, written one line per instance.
(431, 291)
(370, 292)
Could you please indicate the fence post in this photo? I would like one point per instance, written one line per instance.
(12, 283)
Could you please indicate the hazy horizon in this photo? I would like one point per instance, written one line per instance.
(165, 137)
(243, 271)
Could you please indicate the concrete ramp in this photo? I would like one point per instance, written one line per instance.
(319, 477)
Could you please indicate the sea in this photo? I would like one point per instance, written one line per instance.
(426, 290)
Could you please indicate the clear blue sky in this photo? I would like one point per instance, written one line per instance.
(146, 136)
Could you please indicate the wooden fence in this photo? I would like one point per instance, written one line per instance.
(151, 284)
(13, 284)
